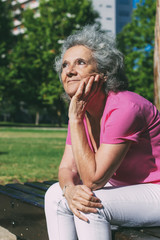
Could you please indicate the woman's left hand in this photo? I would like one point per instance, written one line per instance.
(86, 90)
(82, 200)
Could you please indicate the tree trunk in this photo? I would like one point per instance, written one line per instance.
(59, 118)
(37, 119)
(4, 117)
(157, 58)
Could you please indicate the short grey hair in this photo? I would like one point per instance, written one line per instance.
(109, 59)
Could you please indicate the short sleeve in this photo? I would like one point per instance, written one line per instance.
(68, 139)
(124, 123)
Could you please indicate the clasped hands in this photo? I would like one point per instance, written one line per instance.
(81, 199)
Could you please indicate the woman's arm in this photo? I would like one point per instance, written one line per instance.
(79, 197)
(68, 174)
(95, 169)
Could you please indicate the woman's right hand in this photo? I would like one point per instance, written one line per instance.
(81, 199)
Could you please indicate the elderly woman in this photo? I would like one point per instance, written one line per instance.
(110, 169)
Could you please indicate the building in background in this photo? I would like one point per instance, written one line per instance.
(114, 14)
(21, 5)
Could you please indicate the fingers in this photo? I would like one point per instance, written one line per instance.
(86, 86)
(78, 209)
(83, 208)
(90, 205)
(80, 90)
(90, 85)
(83, 192)
(82, 200)
(79, 215)
(88, 200)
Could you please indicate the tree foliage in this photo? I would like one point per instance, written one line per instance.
(6, 40)
(5, 31)
(136, 41)
(34, 79)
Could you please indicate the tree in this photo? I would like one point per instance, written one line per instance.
(33, 78)
(6, 43)
(157, 58)
(136, 41)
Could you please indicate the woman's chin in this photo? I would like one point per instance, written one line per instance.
(71, 91)
(71, 94)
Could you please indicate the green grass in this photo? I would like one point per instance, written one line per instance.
(13, 124)
(30, 154)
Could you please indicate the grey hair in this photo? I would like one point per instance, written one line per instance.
(109, 59)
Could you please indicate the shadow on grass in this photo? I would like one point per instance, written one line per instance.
(3, 153)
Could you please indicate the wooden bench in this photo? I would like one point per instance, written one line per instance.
(22, 213)
(22, 210)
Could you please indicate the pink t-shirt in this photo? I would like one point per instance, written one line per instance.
(128, 116)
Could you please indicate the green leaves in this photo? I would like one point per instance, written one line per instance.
(33, 79)
(6, 42)
(136, 41)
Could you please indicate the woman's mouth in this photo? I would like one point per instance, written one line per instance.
(73, 80)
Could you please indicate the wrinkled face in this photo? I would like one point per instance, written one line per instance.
(78, 64)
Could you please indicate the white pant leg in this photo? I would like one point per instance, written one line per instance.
(60, 220)
(98, 228)
(136, 205)
(131, 206)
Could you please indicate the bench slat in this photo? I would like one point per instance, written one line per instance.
(38, 185)
(22, 196)
(49, 182)
(132, 234)
(27, 189)
(25, 220)
(154, 231)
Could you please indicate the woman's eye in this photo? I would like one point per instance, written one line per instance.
(81, 61)
(64, 65)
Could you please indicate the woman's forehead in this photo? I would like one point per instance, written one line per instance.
(78, 51)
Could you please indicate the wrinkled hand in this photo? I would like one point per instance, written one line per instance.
(87, 89)
(81, 198)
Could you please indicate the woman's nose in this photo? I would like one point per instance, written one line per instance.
(71, 71)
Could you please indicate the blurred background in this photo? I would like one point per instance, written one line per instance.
(31, 34)
(33, 111)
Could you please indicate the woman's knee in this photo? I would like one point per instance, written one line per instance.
(53, 194)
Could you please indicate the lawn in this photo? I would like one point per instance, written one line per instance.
(30, 154)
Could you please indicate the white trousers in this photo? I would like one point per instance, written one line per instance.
(131, 206)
